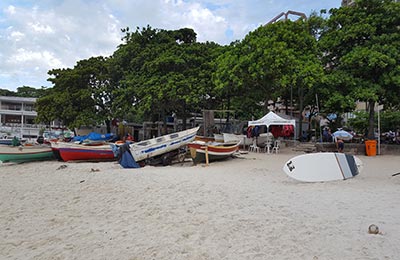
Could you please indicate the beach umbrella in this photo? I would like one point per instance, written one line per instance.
(344, 135)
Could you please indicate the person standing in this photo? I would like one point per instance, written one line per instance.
(339, 145)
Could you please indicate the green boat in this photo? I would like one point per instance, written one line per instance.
(22, 154)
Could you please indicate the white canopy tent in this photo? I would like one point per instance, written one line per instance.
(272, 119)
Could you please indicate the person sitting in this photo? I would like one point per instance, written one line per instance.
(325, 135)
(129, 138)
(15, 141)
(40, 139)
(304, 136)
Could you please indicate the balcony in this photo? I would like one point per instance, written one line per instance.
(16, 108)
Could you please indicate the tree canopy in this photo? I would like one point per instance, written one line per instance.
(361, 52)
(351, 55)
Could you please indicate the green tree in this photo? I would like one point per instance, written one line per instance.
(80, 96)
(6, 92)
(26, 91)
(47, 107)
(163, 72)
(231, 80)
(362, 52)
(71, 97)
(276, 60)
(95, 75)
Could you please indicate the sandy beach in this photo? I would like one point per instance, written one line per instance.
(242, 208)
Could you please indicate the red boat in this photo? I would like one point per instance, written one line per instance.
(78, 152)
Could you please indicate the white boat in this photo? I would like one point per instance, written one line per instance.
(219, 138)
(264, 138)
(243, 139)
(163, 144)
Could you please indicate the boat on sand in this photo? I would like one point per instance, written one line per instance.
(162, 145)
(200, 150)
(70, 151)
(166, 145)
(20, 154)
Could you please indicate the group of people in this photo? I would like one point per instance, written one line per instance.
(391, 137)
(327, 135)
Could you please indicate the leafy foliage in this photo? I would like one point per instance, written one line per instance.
(273, 61)
(353, 55)
(165, 72)
(361, 47)
(24, 91)
(389, 121)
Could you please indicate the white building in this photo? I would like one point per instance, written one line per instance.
(347, 2)
(17, 117)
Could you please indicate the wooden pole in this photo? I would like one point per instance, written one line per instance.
(206, 155)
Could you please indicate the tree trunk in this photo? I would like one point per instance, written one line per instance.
(108, 124)
(286, 106)
(184, 117)
(164, 130)
(371, 120)
(301, 95)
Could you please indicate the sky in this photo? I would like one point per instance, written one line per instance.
(39, 35)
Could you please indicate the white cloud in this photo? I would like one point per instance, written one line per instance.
(207, 25)
(10, 10)
(46, 58)
(16, 36)
(40, 28)
(37, 36)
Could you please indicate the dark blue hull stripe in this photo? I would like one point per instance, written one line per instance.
(347, 165)
(352, 164)
(152, 149)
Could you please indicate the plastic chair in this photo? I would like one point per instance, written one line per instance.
(277, 146)
(268, 146)
(253, 147)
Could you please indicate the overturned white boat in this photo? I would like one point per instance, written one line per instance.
(161, 145)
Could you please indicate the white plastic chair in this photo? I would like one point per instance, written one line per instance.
(268, 146)
(277, 146)
(253, 147)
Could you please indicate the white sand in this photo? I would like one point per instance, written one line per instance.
(243, 208)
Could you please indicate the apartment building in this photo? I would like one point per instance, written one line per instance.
(347, 2)
(17, 117)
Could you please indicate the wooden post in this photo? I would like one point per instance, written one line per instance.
(206, 155)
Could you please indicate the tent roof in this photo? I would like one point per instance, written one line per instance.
(272, 119)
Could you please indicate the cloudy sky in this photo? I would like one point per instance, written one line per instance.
(39, 35)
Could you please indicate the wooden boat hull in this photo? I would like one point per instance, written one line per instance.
(56, 153)
(216, 151)
(79, 152)
(71, 154)
(204, 139)
(25, 154)
(161, 145)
